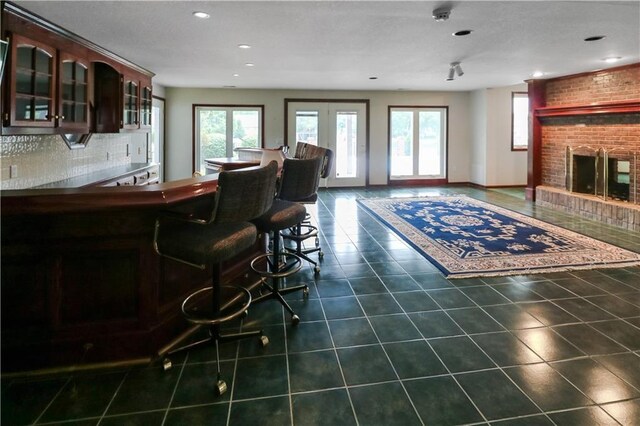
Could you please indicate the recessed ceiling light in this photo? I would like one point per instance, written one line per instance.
(612, 59)
(462, 33)
(249, 64)
(244, 46)
(236, 75)
(538, 74)
(201, 15)
(594, 38)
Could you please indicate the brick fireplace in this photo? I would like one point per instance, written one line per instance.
(596, 117)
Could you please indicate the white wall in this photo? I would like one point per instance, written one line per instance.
(493, 163)
(179, 123)
(479, 137)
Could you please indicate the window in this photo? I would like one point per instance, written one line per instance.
(417, 143)
(519, 121)
(219, 129)
(307, 127)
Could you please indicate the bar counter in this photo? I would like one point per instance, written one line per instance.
(81, 283)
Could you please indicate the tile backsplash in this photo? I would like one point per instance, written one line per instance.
(28, 161)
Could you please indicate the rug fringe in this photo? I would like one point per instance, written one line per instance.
(544, 271)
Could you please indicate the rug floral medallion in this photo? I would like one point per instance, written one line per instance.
(465, 237)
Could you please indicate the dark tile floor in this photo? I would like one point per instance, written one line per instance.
(386, 340)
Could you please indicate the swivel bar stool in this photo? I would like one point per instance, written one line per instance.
(305, 230)
(298, 180)
(241, 196)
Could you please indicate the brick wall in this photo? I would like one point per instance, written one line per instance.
(621, 131)
(620, 84)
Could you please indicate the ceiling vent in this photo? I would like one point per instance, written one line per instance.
(441, 14)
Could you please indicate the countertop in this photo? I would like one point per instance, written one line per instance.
(95, 178)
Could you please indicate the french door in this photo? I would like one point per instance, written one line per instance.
(338, 126)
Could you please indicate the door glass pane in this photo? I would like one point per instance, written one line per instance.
(42, 109)
(213, 131)
(346, 144)
(246, 129)
(43, 62)
(401, 143)
(67, 91)
(67, 70)
(307, 127)
(81, 74)
(80, 113)
(81, 93)
(23, 108)
(68, 111)
(429, 149)
(25, 57)
(23, 83)
(43, 85)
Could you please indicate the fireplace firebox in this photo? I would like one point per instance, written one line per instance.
(607, 174)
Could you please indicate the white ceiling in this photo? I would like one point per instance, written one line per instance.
(340, 44)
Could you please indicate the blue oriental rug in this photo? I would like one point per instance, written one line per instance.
(466, 238)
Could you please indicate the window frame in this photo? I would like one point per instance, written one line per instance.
(421, 179)
(195, 137)
(515, 95)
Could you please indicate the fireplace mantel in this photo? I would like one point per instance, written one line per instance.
(621, 107)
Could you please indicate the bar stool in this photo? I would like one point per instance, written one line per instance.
(241, 196)
(298, 180)
(305, 230)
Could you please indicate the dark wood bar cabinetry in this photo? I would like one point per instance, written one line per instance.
(81, 282)
(58, 82)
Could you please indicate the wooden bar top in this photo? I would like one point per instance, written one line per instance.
(70, 200)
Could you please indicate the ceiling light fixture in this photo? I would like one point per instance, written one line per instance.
(454, 68)
(594, 38)
(452, 73)
(612, 59)
(244, 46)
(236, 75)
(462, 33)
(201, 15)
(249, 64)
(441, 14)
(538, 74)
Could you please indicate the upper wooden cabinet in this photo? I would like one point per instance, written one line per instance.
(73, 99)
(145, 104)
(130, 102)
(32, 89)
(60, 83)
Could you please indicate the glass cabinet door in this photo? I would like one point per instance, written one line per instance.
(145, 107)
(130, 109)
(33, 92)
(74, 93)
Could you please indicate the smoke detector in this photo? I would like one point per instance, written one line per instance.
(441, 15)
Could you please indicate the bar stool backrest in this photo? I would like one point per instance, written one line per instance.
(300, 178)
(305, 151)
(245, 194)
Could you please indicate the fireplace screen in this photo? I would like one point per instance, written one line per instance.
(606, 173)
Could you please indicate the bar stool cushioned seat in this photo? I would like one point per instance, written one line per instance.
(199, 244)
(299, 177)
(281, 215)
